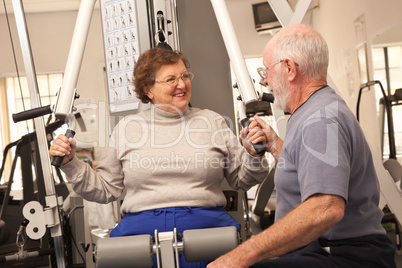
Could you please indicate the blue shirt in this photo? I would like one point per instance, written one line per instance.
(325, 152)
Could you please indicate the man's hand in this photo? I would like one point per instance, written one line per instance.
(251, 135)
(273, 142)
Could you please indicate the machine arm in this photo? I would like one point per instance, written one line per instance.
(246, 87)
(63, 105)
(244, 82)
(66, 95)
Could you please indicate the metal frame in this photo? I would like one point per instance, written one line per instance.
(67, 92)
(63, 108)
(168, 21)
(51, 198)
(245, 84)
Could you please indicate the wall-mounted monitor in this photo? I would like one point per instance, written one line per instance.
(265, 19)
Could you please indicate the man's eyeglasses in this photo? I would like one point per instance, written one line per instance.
(263, 71)
(172, 81)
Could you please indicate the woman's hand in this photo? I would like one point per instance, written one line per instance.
(63, 146)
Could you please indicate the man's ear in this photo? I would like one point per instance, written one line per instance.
(291, 69)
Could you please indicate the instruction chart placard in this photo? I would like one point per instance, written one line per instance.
(120, 33)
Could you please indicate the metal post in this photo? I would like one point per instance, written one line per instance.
(39, 128)
(174, 25)
(246, 87)
(67, 93)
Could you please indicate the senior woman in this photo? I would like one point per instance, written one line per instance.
(170, 158)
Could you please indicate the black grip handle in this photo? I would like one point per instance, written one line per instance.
(259, 147)
(32, 113)
(268, 97)
(56, 161)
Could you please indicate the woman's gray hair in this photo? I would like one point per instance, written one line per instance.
(309, 51)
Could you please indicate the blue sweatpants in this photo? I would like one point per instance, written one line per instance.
(181, 218)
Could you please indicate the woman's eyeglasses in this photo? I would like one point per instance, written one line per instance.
(172, 81)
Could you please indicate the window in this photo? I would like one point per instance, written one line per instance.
(18, 99)
(48, 85)
(387, 62)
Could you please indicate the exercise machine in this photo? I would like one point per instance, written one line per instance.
(391, 164)
(138, 251)
(47, 216)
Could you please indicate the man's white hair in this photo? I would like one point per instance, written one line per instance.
(308, 49)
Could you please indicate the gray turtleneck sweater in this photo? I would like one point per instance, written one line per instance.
(168, 160)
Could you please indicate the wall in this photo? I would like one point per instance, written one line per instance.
(392, 36)
(212, 85)
(241, 14)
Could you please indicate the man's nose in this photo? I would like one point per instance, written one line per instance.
(265, 81)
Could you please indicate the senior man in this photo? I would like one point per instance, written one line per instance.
(327, 212)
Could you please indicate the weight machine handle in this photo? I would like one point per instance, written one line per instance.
(259, 147)
(32, 113)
